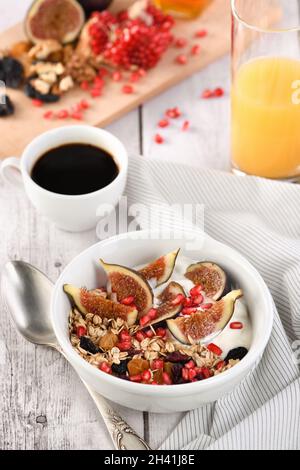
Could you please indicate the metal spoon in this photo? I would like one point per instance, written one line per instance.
(27, 292)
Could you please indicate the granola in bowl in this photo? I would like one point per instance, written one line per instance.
(169, 322)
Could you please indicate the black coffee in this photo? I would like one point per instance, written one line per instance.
(75, 169)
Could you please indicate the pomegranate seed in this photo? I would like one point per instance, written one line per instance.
(103, 72)
(196, 49)
(81, 331)
(117, 76)
(185, 374)
(135, 77)
(96, 92)
(142, 72)
(83, 104)
(85, 85)
(196, 290)
(146, 375)
(205, 372)
(201, 33)
(198, 300)
(127, 89)
(48, 115)
(220, 365)
(140, 336)
(181, 59)
(144, 320)
(152, 314)
(157, 364)
(192, 374)
(198, 370)
(178, 300)
(37, 103)
(190, 365)
(98, 82)
(218, 92)
(149, 333)
(189, 310)
(167, 379)
(215, 349)
(136, 378)
(159, 139)
(177, 112)
(206, 306)
(105, 368)
(125, 335)
(154, 383)
(180, 42)
(63, 114)
(161, 332)
(128, 300)
(236, 325)
(124, 346)
(188, 302)
(207, 94)
(186, 126)
(164, 123)
(77, 115)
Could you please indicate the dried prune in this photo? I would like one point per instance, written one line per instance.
(31, 92)
(176, 373)
(120, 369)
(177, 357)
(11, 72)
(237, 353)
(6, 106)
(88, 345)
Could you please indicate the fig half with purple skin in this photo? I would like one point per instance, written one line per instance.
(200, 327)
(94, 301)
(210, 276)
(160, 270)
(61, 20)
(124, 282)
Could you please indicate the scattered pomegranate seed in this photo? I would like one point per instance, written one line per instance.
(180, 42)
(125, 336)
(105, 368)
(77, 115)
(124, 346)
(185, 374)
(161, 332)
(196, 290)
(173, 113)
(127, 89)
(190, 365)
(192, 374)
(95, 92)
(159, 139)
(207, 94)
(188, 302)
(117, 76)
(98, 82)
(48, 115)
(201, 33)
(186, 126)
(85, 85)
(63, 114)
(103, 72)
(215, 349)
(84, 104)
(136, 378)
(205, 372)
(140, 336)
(128, 300)
(188, 310)
(81, 331)
(149, 333)
(157, 364)
(154, 383)
(206, 306)
(37, 103)
(178, 299)
(135, 77)
(196, 49)
(142, 72)
(152, 314)
(146, 375)
(236, 325)
(144, 320)
(164, 123)
(218, 92)
(167, 379)
(198, 299)
(181, 59)
(220, 365)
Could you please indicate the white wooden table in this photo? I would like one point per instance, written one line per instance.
(43, 404)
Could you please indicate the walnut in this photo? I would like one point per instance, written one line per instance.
(41, 86)
(47, 67)
(79, 68)
(44, 49)
(49, 77)
(66, 83)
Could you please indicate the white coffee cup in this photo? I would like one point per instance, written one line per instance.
(70, 213)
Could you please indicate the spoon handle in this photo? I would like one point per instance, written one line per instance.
(122, 435)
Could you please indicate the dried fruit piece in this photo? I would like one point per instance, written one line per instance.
(31, 92)
(125, 282)
(61, 20)
(196, 328)
(236, 354)
(6, 107)
(88, 345)
(108, 341)
(137, 366)
(95, 302)
(11, 72)
(210, 276)
(161, 269)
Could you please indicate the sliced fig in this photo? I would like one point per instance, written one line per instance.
(161, 269)
(209, 275)
(199, 326)
(125, 282)
(167, 309)
(95, 302)
(61, 20)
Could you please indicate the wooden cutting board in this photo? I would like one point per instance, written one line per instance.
(17, 131)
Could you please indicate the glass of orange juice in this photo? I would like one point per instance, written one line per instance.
(265, 95)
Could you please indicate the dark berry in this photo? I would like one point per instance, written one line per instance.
(6, 106)
(178, 357)
(88, 345)
(11, 72)
(120, 369)
(237, 353)
(32, 93)
(176, 373)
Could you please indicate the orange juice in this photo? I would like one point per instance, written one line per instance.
(266, 119)
(184, 8)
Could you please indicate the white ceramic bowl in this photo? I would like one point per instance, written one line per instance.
(85, 270)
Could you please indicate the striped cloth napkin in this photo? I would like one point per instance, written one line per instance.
(260, 219)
